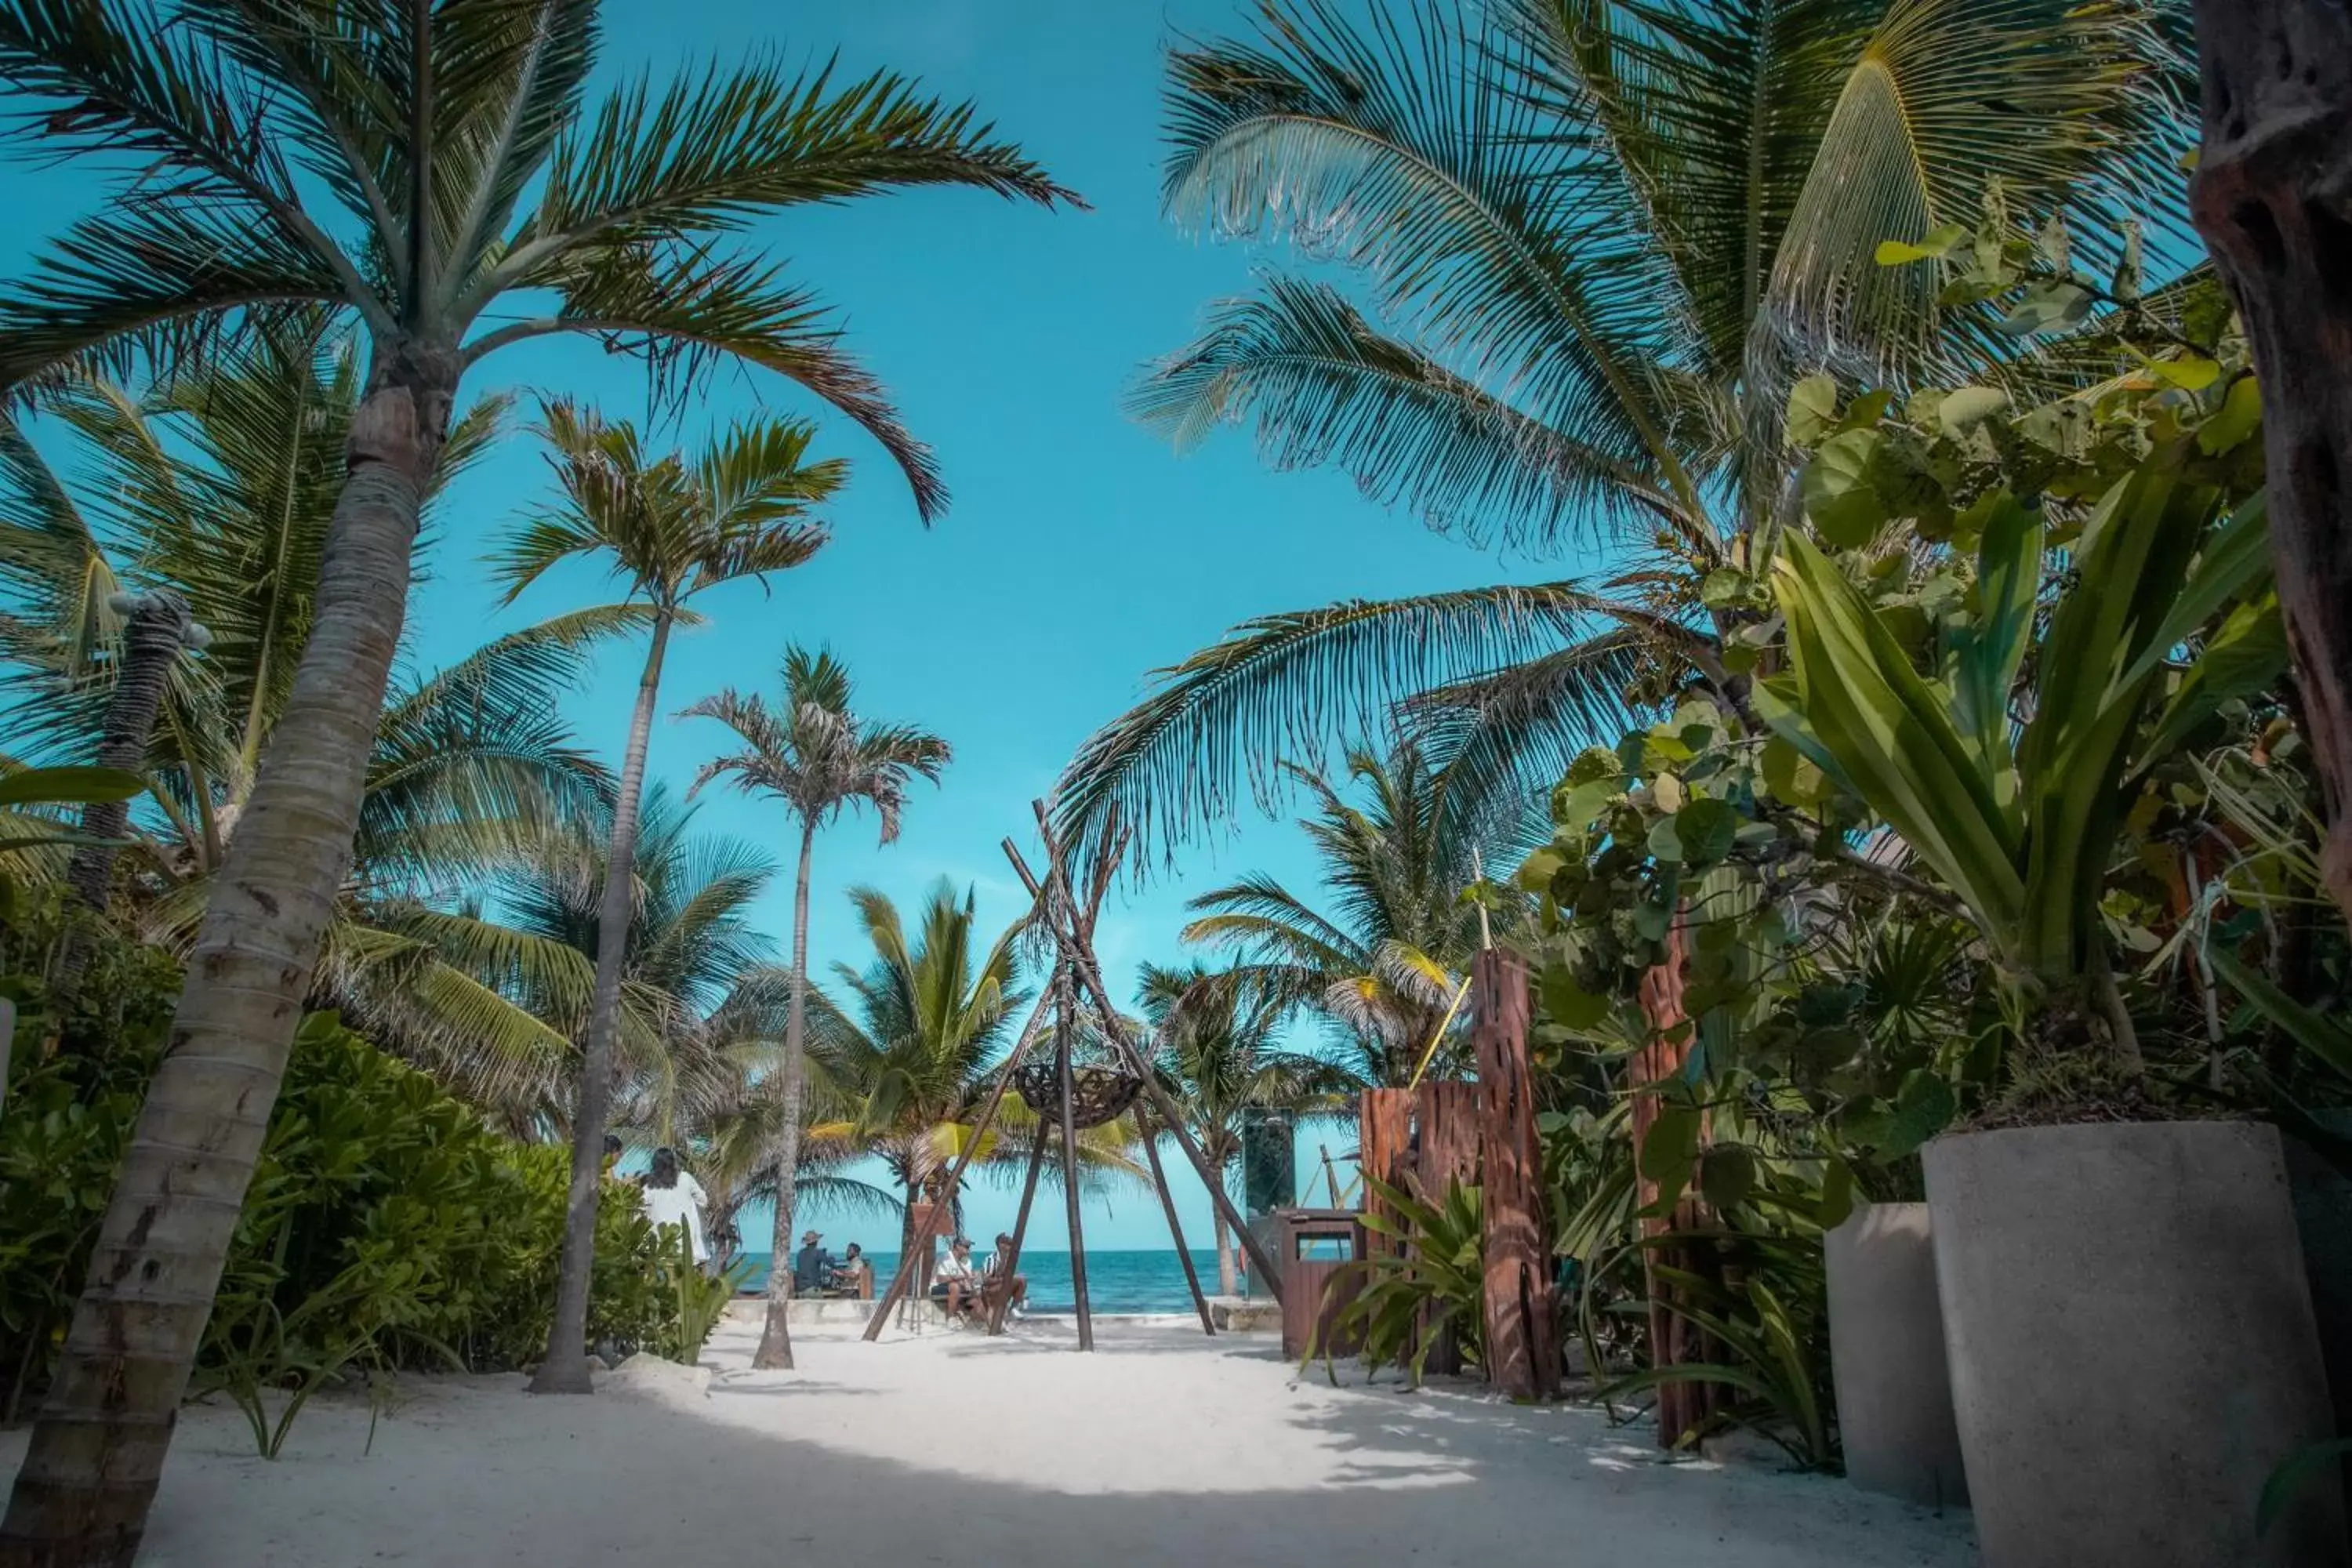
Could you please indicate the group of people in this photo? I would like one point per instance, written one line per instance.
(964, 1290)
(815, 1272)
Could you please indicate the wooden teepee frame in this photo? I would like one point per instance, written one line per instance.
(1074, 998)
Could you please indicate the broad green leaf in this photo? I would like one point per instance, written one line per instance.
(1939, 242)
(1671, 1145)
(1790, 776)
(2009, 574)
(1568, 1003)
(1963, 408)
(1924, 1107)
(2246, 655)
(1706, 830)
(2050, 305)
(2240, 416)
(1536, 872)
(1667, 790)
(1665, 842)
(1725, 1176)
(2191, 372)
(1840, 493)
(1812, 409)
(1722, 586)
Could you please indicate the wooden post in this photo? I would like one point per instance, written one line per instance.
(1674, 1341)
(1003, 1303)
(1089, 975)
(1065, 1029)
(1330, 1172)
(1522, 1352)
(929, 1228)
(1383, 1138)
(1175, 1231)
(1447, 1115)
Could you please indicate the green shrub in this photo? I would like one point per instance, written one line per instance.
(387, 1228)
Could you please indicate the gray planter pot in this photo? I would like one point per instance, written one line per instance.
(2132, 1344)
(1887, 1354)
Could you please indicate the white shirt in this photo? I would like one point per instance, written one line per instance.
(952, 1268)
(680, 1206)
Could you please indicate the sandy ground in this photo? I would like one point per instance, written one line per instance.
(1162, 1451)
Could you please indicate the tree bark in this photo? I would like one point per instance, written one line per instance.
(97, 1452)
(775, 1352)
(1521, 1316)
(1229, 1282)
(151, 641)
(564, 1369)
(2273, 197)
(158, 629)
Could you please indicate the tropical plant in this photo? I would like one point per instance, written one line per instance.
(673, 529)
(814, 755)
(1395, 1306)
(1388, 967)
(415, 167)
(1608, 238)
(215, 491)
(2023, 832)
(1213, 1042)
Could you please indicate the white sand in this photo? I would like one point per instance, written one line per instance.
(1162, 1451)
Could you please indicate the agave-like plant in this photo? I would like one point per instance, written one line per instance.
(1599, 242)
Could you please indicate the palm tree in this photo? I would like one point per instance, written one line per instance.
(673, 529)
(215, 490)
(416, 167)
(1387, 964)
(812, 753)
(1600, 243)
(1214, 1041)
(910, 1062)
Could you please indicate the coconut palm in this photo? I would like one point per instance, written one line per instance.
(911, 1058)
(1599, 243)
(673, 529)
(812, 753)
(416, 167)
(215, 491)
(1213, 1038)
(1386, 965)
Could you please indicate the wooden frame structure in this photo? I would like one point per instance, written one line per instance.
(1075, 999)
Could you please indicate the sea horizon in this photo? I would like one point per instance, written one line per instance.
(1118, 1280)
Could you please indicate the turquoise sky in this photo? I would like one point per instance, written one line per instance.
(1080, 553)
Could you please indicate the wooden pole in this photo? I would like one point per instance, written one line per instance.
(1175, 1231)
(1089, 975)
(1331, 1173)
(1066, 1028)
(931, 1226)
(1522, 1357)
(1020, 1230)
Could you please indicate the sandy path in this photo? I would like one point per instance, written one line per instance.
(1162, 1450)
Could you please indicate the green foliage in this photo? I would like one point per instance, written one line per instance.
(387, 1228)
(1764, 1307)
(1396, 1304)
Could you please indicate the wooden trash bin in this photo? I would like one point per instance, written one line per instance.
(1313, 1245)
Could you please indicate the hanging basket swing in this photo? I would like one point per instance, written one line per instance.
(1099, 1094)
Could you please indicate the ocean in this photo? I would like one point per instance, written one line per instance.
(1145, 1280)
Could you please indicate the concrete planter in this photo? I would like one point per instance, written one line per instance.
(2132, 1344)
(1887, 1354)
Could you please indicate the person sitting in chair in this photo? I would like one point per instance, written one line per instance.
(999, 1283)
(850, 1277)
(955, 1283)
(812, 1266)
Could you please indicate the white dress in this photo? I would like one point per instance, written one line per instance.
(680, 1205)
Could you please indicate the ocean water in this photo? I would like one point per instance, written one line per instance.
(1117, 1281)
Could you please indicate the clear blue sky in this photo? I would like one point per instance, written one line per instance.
(1079, 554)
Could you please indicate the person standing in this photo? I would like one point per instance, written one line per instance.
(672, 1196)
(812, 1264)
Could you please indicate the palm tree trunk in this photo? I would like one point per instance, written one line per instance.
(1229, 1281)
(775, 1352)
(151, 642)
(82, 1495)
(2270, 199)
(564, 1369)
